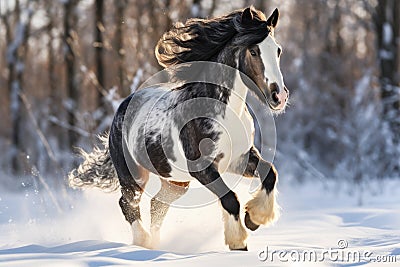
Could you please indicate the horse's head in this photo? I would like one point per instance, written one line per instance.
(260, 62)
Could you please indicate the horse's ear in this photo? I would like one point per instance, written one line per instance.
(273, 19)
(247, 16)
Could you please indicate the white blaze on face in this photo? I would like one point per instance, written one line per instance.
(269, 55)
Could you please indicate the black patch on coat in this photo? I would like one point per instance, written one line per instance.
(157, 155)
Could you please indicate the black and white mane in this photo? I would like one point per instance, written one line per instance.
(211, 39)
(196, 128)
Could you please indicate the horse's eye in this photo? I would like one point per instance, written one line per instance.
(253, 53)
(279, 51)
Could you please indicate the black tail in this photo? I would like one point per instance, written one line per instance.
(97, 169)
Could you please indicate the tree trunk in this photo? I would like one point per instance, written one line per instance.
(70, 72)
(55, 93)
(99, 47)
(120, 6)
(13, 108)
(387, 24)
(17, 46)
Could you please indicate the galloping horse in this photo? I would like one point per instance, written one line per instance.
(150, 132)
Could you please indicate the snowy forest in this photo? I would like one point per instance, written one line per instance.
(65, 66)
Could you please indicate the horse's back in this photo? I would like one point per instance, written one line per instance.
(136, 133)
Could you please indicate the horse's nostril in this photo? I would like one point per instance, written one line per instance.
(275, 97)
(274, 87)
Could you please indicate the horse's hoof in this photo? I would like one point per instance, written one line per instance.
(249, 223)
(240, 249)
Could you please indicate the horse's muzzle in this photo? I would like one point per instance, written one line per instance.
(278, 97)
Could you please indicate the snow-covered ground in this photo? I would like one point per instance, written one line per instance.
(321, 224)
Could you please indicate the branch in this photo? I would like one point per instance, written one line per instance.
(43, 139)
(48, 149)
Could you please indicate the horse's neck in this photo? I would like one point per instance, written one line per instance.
(237, 99)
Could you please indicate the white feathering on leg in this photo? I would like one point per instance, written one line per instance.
(155, 236)
(140, 236)
(263, 208)
(235, 233)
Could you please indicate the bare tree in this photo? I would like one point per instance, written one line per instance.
(17, 45)
(387, 25)
(99, 47)
(120, 6)
(55, 110)
(70, 19)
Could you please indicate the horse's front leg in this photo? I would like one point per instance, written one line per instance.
(235, 233)
(262, 209)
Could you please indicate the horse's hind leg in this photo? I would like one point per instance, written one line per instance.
(129, 203)
(169, 192)
(132, 181)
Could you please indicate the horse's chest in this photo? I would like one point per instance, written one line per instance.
(236, 137)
